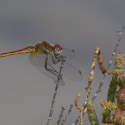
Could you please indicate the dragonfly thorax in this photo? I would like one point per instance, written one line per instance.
(45, 47)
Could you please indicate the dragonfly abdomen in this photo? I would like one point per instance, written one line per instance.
(28, 49)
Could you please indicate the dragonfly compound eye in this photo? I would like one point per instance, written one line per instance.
(57, 49)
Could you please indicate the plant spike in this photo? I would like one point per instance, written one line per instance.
(112, 89)
(108, 105)
(117, 75)
(92, 114)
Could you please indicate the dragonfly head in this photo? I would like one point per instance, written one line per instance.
(57, 49)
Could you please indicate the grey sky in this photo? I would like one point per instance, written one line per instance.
(25, 93)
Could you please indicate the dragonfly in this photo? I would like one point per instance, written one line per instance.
(47, 57)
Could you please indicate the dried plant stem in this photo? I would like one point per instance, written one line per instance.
(80, 108)
(54, 96)
(91, 78)
(65, 118)
(60, 116)
(110, 62)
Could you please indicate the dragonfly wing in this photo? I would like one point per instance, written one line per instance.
(71, 72)
(68, 53)
(38, 61)
(50, 75)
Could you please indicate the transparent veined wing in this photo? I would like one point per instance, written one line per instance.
(68, 53)
(71, 72)
(38, 61)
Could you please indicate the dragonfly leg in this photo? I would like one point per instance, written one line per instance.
(55, 61)
(50, 70)
(59, 59)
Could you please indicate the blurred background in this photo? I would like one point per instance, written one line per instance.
(25, 93)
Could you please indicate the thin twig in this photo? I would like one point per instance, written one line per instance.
(65, 118)
(60, 116)
(76, 121)
(54, 96)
